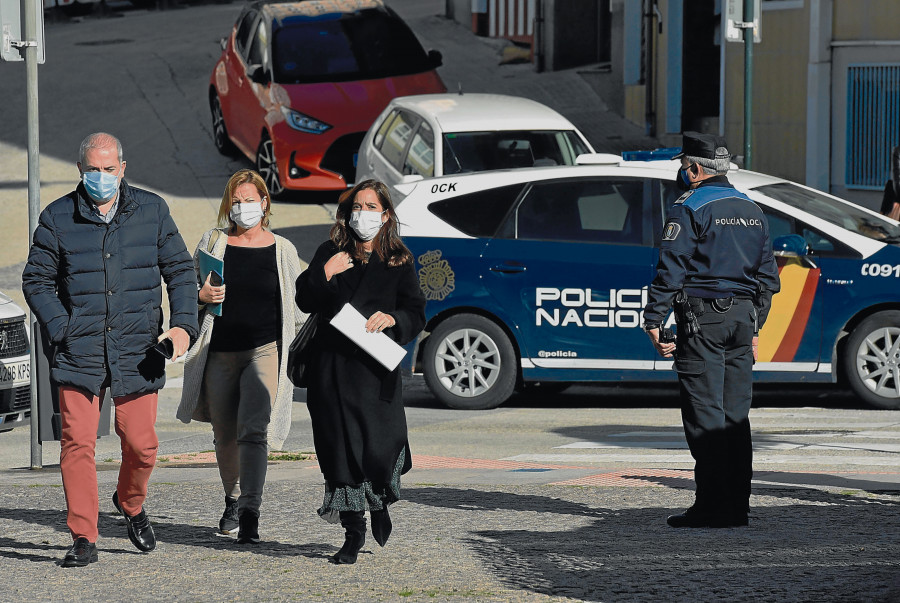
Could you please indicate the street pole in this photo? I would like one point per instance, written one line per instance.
(29, 11)
(748, 81)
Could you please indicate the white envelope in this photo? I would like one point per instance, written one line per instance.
(378, 345)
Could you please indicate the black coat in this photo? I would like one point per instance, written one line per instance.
(356, 407)
(96, 289)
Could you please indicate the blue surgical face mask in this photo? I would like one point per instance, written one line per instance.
(100, 186)
(682, 181)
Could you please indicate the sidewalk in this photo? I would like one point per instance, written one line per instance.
(457, 541)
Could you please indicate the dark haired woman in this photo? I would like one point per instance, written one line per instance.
(358, 421)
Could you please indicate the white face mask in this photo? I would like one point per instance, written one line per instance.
(247, 214)
(365, 224)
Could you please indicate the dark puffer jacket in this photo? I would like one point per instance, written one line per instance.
(96, 289)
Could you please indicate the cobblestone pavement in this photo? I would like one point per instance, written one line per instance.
(458, 542)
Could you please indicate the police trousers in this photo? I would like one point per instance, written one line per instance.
(715, 375)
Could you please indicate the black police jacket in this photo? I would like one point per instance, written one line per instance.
(715, 244)
(96, 289)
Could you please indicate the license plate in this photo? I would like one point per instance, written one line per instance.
(15, 372)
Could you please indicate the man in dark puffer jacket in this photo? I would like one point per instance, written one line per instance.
(93, 280)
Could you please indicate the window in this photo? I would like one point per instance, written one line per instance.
(599, 211)
(245, 29)
(395, 138)
(367, 44)
(257, 54)
(480, 151)
(478, 214)
(420, 159)
(873, 123)
(383, 129)
(833, 210)
(819, 243)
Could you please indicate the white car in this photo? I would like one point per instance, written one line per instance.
(540, 276)
(15, 366)
(432, 135)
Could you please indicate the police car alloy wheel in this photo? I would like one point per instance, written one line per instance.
(872, 359)
(470, 363)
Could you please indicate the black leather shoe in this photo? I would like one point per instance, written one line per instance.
(248, 528)
(80, 554)
(139, 529)
(381, 525)
(698, 519)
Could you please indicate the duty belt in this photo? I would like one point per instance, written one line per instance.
(720, 305)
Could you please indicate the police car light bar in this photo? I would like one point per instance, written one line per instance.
(661, 154)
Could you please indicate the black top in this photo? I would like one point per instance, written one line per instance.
(251, 312)
(715, 244)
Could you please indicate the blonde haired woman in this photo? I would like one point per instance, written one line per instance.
(234, 376)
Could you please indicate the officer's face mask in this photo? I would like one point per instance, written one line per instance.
(100, 186)
(366, 224)
(682, 181)
(247, 214)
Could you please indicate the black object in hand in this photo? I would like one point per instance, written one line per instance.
(666, 336)
(215, 279)
(165, 348)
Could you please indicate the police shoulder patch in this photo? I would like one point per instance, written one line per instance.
(671, 230)
(684, 197)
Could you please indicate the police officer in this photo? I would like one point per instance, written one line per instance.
(717, 268)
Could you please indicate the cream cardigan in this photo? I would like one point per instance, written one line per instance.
(194, 404)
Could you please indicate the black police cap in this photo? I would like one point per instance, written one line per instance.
(697, 144)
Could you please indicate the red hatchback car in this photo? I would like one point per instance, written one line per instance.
(299, 83)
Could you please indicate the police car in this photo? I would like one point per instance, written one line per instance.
(539, 276)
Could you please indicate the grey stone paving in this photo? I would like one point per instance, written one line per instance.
(457, 542)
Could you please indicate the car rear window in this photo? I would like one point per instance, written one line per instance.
(369, 44)
(478, 214)
(480, 151)
(830, 209)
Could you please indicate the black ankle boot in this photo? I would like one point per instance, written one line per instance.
(354, 523)
(248, 527)
(381, 525)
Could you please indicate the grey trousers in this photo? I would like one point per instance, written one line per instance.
(241, 387)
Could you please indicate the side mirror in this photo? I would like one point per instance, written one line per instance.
(790, 246)
(258, 75)
(435, 58)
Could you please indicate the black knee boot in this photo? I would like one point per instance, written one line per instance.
(354, 523)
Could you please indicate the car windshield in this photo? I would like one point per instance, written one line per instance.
(362, 46)
(480, 151)
(832, 210)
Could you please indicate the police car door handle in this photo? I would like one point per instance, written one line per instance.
(508, 268)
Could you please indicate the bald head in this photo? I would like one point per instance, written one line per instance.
(99, 140)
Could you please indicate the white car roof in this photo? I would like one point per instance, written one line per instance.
(484, 112)
(417, 220)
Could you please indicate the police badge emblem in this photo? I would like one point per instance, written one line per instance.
(436, 278)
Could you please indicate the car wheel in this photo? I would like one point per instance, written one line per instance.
(872, 360)
(470, 363)
(267, 166)
(220, 132)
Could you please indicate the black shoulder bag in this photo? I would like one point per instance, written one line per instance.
(299, 352)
